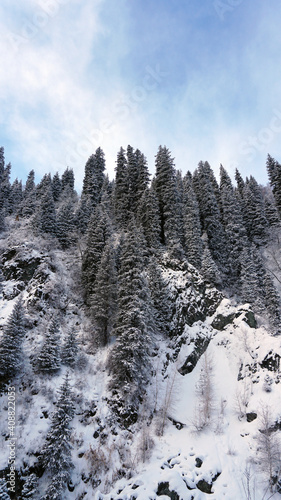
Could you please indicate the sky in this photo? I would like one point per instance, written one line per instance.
(202, 78)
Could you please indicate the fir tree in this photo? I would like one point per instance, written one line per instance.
(149, 217)
(240, 183)
(99, 231)
(69, 352)
(160, 299)
(93, 178)
(30, 487)
(48, 359)
(65, 224)
(56, 453)
(166, 189)
(254, 212)
(271, 212)
(11, 342)
(121, 191)
(250, 281)
(104, 298)
(129, 357)
(191, 224)
(5, 193)
(46, 217)
(16, 197)
(29, 196)
(272, 303)
(56, 187)
(209, 269)
(4, 494)
(210, 214)
(235, 231)
(274, 175)
(67, 182)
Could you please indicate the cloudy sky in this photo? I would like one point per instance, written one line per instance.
(202, 78)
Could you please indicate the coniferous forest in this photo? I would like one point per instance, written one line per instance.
(113, 283)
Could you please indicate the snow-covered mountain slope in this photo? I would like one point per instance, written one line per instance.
(210, 423)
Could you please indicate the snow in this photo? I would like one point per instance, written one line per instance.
(227, 447)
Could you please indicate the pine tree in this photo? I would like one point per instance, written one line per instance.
(56, 453)
(129, 358)
(65, 224)
(235, 231)
(99, 230)
(254, 212)
(29, 196)
(46, 217)
(271, 212)
(274, 175)
(11, 342)
(149, 217)
(5, 193)
(250, 281)
(104, 298)
(93, 178)
(210, 215)
(48, 359)
(30, 487)
(240, 183)
(69, 352)
(166, 189)
(191, 224)
(4, 494)
(16, 196)
(209, 269)
(56, 187)
(67, 182)
(272, 303)
(122, 191)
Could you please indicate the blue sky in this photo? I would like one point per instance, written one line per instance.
(203, 78)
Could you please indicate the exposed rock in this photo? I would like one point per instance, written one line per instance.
(198, 462)
(221, 321)
(200, 346)
(271, 362)
(163, 489)
(204, 486)
(251, 416)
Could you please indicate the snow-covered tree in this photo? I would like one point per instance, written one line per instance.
(121, 190)
(48, 359)
(70, 348)
(274, 175)
(11, 342)
(104, 298)
(129, 358)
(66, 224)
(55, 456)
(191, 224)
(149, 217)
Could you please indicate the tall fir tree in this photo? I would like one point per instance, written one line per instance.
(104, 297)
(129, 358)
(93, 178)
(99, 231)
(56, 187)
(169, 208)
(254, 212)
(55, 456)
(29, 196)
(210, 215)
(274, 175)
(11, 342)
(122, 191)
(70, 349)
(66, 228)
(236, 235)
(148, 216)
(191, 224)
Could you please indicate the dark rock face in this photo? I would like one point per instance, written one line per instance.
(221, 321)
(203, 486)
(19, 265)
(271, 362)
(190, 298)
(251, 416)
(163, 489)
(200, 346)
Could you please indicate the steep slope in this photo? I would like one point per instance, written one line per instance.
(212, 404)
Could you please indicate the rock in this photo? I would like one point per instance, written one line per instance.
(198, 462)
(204, 486)
(251, 416)
(220, 321)
(200, 346)
(271, 362)
(163, 489)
